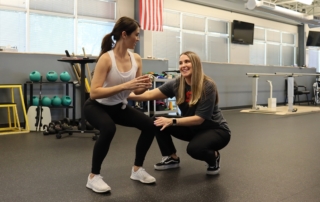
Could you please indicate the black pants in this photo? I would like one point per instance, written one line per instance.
(203, 141)
(104, 118)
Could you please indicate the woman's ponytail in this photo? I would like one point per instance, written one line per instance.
(106, 44)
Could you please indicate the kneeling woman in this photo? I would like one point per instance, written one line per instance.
(201, 122)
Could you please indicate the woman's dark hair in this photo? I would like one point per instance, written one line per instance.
(126, 24)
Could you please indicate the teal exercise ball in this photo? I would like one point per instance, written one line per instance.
(46, 101)
(35, 76)
(56, 101)
(35, 101)
(65, 76)
(52, 76)
(66, 100)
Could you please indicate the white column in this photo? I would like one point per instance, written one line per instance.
(290, 93)
(254, 92)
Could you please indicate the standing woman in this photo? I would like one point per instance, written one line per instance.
(118, 73)
(201, 122)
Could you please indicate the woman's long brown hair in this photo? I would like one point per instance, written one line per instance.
(198, 79)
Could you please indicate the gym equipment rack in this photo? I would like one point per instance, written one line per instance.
(82, 62)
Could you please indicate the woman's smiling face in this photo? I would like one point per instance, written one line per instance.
(185, 66)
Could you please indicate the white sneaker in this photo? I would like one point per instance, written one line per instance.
(142, 176)
(97, 184)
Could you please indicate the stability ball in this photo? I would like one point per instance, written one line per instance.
(46, 101)
(35, 101)
(52, 76)
(65, 76)
(35, 76)
(66, 100)
(56, 101)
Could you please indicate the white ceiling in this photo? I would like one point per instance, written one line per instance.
(239, 7)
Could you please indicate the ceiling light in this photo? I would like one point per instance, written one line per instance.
(308, 2)
(283, 12)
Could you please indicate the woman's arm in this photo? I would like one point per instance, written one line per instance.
(102, 69)
(183, 121)
(154, 94)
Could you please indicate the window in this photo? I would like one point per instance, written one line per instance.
(205, 36)
(273, 54)
(166, 45)
(90, 34)
(313, 58)
(259, 34)
(257, 53)
(273, 36)
(287, 55)
(55, 26)
(194, 42)
(13, 3)
(195, 23)
(50, 34)
(171, 19)
(210, 39)
(273, 47)
(217, 26)
(57, 6)
(13, 29)
(97, 8)
(217, 49)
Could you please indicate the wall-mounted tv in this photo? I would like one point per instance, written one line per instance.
(313, 39)
(242, 32)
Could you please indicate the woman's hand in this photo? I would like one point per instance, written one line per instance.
(163, 121)
(139, 82)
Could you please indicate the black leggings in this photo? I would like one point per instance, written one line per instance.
(104, 118)
(203, 141)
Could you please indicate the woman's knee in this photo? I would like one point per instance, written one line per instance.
(106, 133)
(153, 118)
(146, 123)
(194, 151)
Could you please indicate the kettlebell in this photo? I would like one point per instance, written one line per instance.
(35, 76)
(52, 76)
(65, 76)
(56, 101)
(46, 101)
(49, 129)
(46, 130)
(66, 100)
(57, 126)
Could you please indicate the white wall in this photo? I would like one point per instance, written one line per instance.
(216, 13)
(125, 8)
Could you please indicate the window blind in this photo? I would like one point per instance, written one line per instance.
(51, 34)
(13, 29)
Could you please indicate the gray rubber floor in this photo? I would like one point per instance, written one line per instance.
(270, 158)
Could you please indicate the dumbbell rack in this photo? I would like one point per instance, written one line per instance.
(67, 85)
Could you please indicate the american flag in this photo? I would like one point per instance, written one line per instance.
(151, 15)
